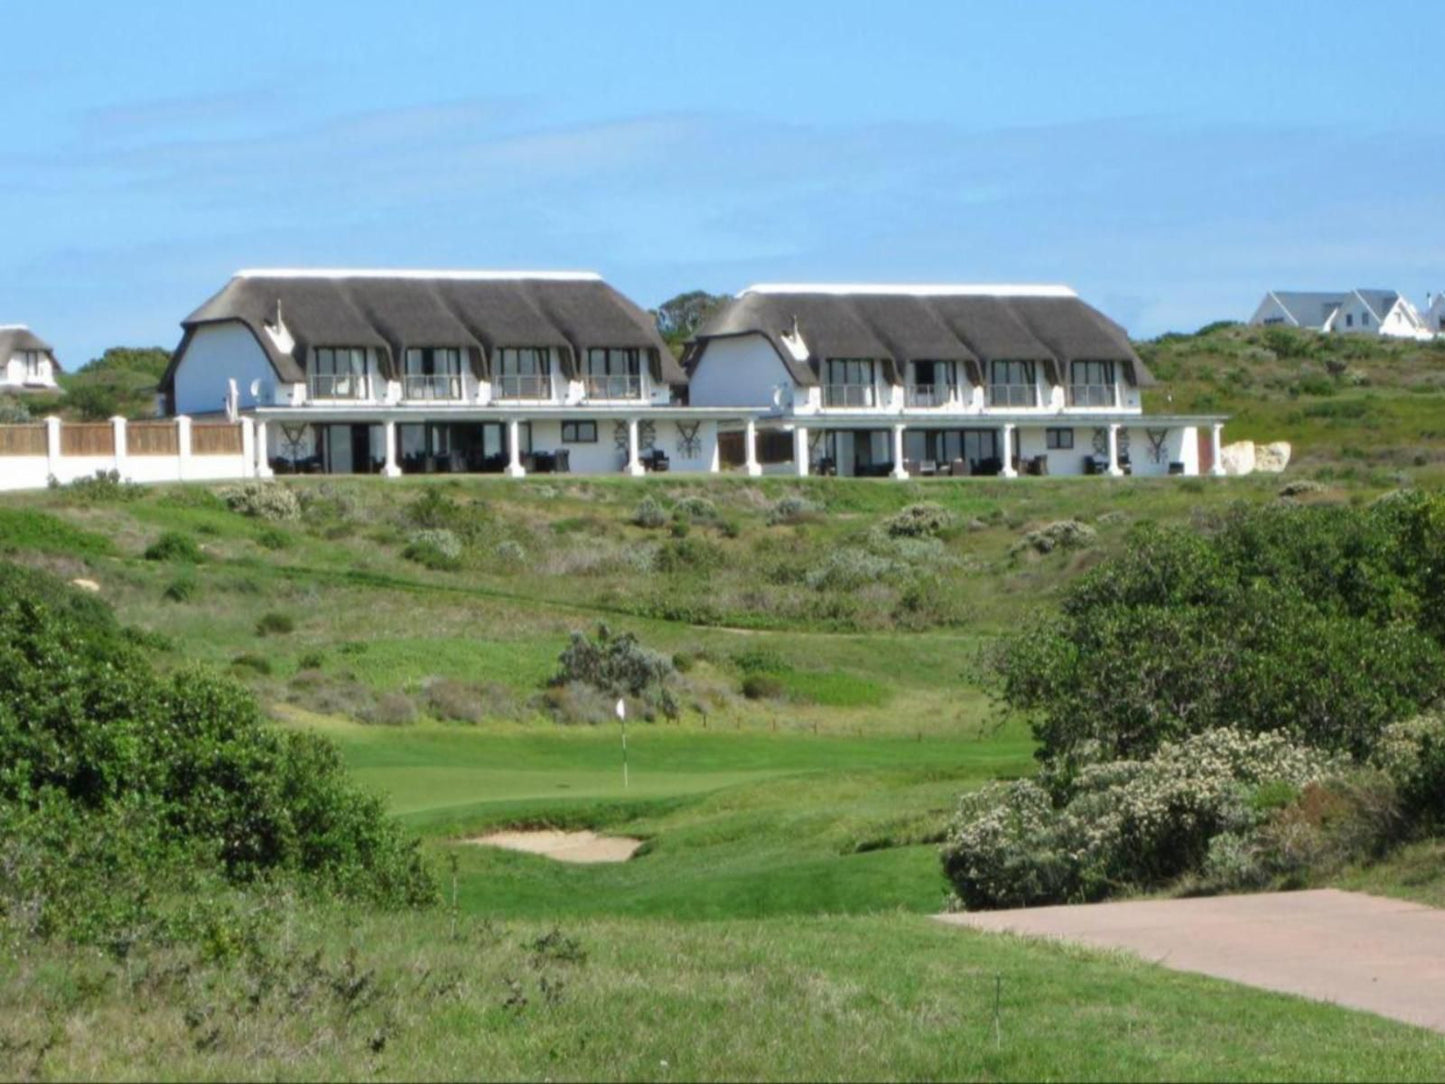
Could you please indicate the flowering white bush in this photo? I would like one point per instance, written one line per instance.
(848, 568)
(1120, 823)
(262, 500)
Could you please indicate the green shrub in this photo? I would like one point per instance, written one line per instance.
(436, 548)
(763, 687)
(649, 513)
(272, 623)
(688, 555)
(174, 546)
(249, 660)
(848, 568)
(391, 709)
(262, 500)
(760, 660)
(698, 509)
(925, 520)
(181, 589)
(103, 487)
(1067, 534)
(510, 552)
(273, 538)
(618, 666)
(793, 509)
(311, 660)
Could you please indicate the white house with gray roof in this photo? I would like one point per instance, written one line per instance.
(27, 362)
(902, 380)
(1351, 312)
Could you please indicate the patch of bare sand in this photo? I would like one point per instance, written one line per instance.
(582, 847)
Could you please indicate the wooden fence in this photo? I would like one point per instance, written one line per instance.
(22, 440)
(152, 438)
(213, 439)
(87, 439)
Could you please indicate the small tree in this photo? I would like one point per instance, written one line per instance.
(619, 666)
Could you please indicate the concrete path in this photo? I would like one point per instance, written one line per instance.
(1381, 955)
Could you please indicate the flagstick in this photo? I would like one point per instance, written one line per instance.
(622, 715)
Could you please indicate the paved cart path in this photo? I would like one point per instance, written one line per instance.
(1365, 952)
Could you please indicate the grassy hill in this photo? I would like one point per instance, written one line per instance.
(774, 924)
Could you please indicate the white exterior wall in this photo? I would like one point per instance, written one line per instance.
(742, 371)
(16, 375)
(218, 353)
(35, 471)
(1272, 314)
(606, 457)
(1404, 322)
(1355, 318)
(1434, 315)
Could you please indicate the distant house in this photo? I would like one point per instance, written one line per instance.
(1355, 312)
(1434, 314)
(27, 362)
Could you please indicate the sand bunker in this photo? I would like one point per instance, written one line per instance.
(584, 847)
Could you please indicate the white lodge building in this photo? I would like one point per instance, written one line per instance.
(397, 372)
(27, 362)
(929, 380)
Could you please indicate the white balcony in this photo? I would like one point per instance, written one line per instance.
(850, 395)
(928, 396)
(613, 387)
(522, 386)
(1013, 395)
(432, 387)
(1092, 395)
(350, 387)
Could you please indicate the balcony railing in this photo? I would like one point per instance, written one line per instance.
(431, 386)
(850, 395)
(336, 386)
(523, 386)
(1092, 395)
(928, 395)
(614, 387)
(1013, 395)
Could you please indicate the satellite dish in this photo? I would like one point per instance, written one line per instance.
(255, 389)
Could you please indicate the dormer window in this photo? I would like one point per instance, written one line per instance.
(850, 382)
(523, 373)
(612, 373)
(1012, 384)
(338, 373)
(1091, 384)
(933, 383)
(432, 373)
(32, 361)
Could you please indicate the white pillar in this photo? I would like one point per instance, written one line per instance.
(52, 446)
(634, 460)
(750, 446)
(183, 447)
(1216, 443)
(1114, 467)
(514, 449)
(898, 469)
(263, 456)
(390, 468)
(800, 451)
(117, 425)
(248, 448)
(715, 461)
(1007, 456)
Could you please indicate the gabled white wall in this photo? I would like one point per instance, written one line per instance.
(1271, 313)
(218, 353)
(741, 371)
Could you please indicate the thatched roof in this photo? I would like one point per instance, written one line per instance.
(392, 311)
(15, 338)
(899, 324)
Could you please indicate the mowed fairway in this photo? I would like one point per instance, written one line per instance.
(738, 823)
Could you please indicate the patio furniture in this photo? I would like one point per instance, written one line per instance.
(1176, 468)
(910, 466)
(655, 460)
(562, 461)
(958, 468)
(928, 468)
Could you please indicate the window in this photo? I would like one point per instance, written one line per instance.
(1271, 321)
(850, 382)
(1349, 319)
(432, 373)
(338, 373)
(613, 373)
(933, 383)
(31, 358)
(1058, 439)
(1011, 383)
(1364, 319)
(1091, 384)
(579, 432)
(523, 373)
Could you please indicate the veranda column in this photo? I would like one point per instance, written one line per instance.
(263, 456)
(183, 448)
(248, 447)
(514, 449)
(390, 468)
(117, 425)
(1007, 456)
(899, 471)
(1114, 467)
(52, 446)
(750, 445)
(634, 459)
(800, 451)
(714, 464)
(1216, 444)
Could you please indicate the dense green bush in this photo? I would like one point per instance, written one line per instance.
(435, 547)
(617, 665)
(1312, 620)
(274, 623)
(926, 520)
(174, 546)
(30, 530)
(91, 736)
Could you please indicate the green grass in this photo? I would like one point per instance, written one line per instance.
(29, 530)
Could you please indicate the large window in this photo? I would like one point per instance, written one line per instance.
(338, 372)
(850, 382)
(31, 360)
(613, 373)
(1091, 384)
(432, 373)
(523, 373)
(1012, 384)
(579, 432)
(933, 383)
(1057, 439)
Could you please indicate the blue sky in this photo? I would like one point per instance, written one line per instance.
(1170, 161)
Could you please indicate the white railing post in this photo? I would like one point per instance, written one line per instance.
(899, 470)
(634, 463)
(390, 469)
(750, 449)
(52, 446)
(514, 449)
(183, 447)
(1114, 467)
(117, 425)
(1216, 443)
(1008, 470)
(800, 451)
(248, 448)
